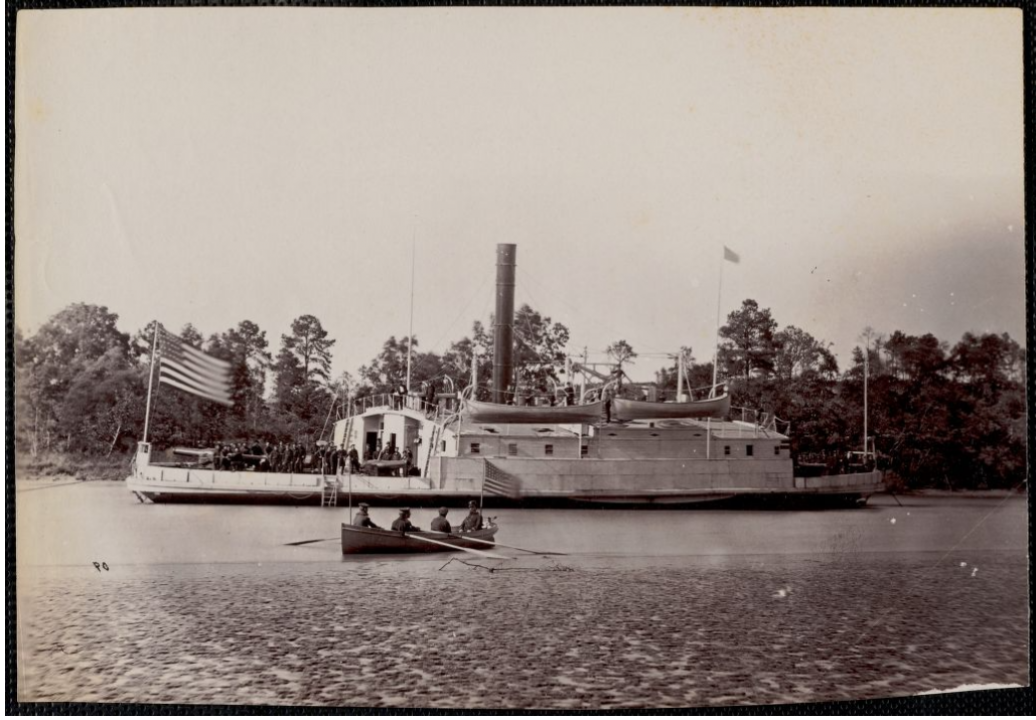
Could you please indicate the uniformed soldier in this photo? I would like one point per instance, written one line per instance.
(403, 524)
(362, 519)
(441, 524)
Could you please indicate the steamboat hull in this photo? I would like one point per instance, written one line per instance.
(837, 491)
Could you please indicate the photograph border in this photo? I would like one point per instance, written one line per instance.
(986, 702)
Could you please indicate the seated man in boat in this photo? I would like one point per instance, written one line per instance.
(403, 524)
(441, 524)
(474, 519)
(362, 519)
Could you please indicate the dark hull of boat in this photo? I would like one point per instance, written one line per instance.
(704, 501)
(357, 540)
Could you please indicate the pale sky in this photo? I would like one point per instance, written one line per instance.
(215, 165)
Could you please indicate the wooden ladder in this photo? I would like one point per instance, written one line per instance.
(329, 493)
(348, 432)
(436, 433)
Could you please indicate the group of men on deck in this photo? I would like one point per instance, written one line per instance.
(286, 458)
(440, 524)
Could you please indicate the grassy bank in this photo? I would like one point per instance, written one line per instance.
(59, 466)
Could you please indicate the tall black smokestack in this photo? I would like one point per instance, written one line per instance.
(503, 325)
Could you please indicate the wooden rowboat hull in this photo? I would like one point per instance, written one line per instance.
(642, 410)
(368, 540)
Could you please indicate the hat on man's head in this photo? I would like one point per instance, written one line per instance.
(404, 511)
(364, 506)
(473, 503)
(443, 510)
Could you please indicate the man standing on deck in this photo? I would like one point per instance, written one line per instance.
(570, 394)
(362, 519)
(474, 519)
(429, 396)
(403, 524)
(441, 524)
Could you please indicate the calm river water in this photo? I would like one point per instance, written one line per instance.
(205, 604)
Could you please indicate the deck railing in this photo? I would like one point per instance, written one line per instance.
(393, 401)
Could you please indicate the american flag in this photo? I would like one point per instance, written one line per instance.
(499, 482)
(193, 371)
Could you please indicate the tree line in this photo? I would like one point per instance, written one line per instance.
(937, 415)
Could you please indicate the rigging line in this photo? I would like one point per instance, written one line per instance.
(580, 316)
(438, 344)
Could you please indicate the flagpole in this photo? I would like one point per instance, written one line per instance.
(410, 337)
(866, 359)
(150, 380)
(719, 304)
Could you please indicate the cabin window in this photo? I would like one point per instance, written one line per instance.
(442, 446)
(548, 449)
(512, 448)
(748, 450)
(476, 448)
(584, 451)
(726, 449)
(776, 450)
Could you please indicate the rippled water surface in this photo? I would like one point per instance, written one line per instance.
(205, 604)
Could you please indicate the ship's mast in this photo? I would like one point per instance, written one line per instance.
(150, 379)
(715, 355)
(410, 337)
(866, 369)
(679, 376)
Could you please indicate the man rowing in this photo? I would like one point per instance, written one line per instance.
(441, 524)
(403, 524)
(362, 519)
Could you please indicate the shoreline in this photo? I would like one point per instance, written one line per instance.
(973, 494)
(61, 479)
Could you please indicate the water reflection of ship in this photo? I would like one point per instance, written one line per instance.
(633, 453)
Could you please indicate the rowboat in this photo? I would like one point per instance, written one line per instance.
(370, 540)
(486, 413)
(642, 410)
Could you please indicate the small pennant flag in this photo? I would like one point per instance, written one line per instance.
(189, 369)
(498, 482)
(730, 255)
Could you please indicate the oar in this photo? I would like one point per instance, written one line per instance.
(307, 542)
(462, 549)
(512, 547)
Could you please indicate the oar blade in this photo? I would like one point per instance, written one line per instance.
(308, 542)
